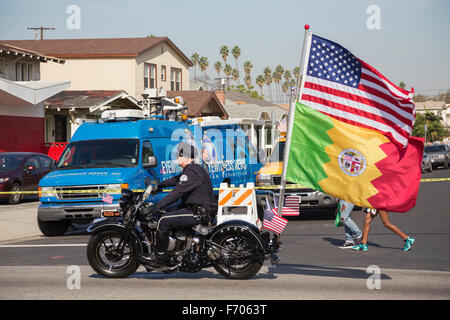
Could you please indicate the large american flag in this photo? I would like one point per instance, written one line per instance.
(344, 87)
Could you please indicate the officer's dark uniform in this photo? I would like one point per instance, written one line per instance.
(193, 186)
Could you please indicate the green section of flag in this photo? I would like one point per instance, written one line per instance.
(307, 153)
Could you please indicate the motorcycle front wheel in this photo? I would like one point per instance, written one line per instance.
(241, 255)
(107, 259)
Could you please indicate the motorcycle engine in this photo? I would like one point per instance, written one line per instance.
(192, 262)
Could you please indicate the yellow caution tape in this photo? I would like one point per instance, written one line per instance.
(118, 191)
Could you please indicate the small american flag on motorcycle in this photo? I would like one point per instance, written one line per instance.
(273, 222)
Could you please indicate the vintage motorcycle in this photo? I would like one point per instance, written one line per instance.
(236, 249)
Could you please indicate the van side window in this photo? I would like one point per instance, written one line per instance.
(147, 151)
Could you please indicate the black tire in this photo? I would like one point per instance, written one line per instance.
(106, 261)
(53, 228)
(234, 265)
(15, 198)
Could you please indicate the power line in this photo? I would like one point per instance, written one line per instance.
(41, 28)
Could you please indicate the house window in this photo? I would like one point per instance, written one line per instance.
(175, 79)
(149, 76)
(2, 68)
(24, 71)
(163, 73)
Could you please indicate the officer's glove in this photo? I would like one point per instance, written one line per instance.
(156, 189)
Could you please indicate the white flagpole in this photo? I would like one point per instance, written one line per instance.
(302, 73)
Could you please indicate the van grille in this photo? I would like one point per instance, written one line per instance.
(277, 182)
(78, 192)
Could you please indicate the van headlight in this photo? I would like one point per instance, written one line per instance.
(263, 179)
(3, 180)
(116, 188)
(47, 192)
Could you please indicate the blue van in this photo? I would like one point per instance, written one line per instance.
(104, 157)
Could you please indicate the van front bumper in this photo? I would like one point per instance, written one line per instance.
(309, 199)
(71, 211)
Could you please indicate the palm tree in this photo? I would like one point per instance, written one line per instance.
(260, 82)
(235, 75)
(248, 67)
(203, 63)
(268, 80)
(195, 58)
(224, 53)
(287, 78)
(236, 52)
(248, 81)
(277, 75)
(218, 67)
(228, 69)
(296, 73)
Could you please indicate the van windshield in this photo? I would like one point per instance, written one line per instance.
(100, 154)
(278, 152)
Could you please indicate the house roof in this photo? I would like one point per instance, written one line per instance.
(92, 99)
(16, 51)
(241, 106)
(95, 48)
(430, 104)
(197, 101)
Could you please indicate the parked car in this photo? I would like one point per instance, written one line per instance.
(439, 155)
(426, 163)
(22, 171)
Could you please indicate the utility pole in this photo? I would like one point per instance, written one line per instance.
(41, 29)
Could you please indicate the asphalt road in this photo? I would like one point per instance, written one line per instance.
(312, 264)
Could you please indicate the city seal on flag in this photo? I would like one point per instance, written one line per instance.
(352, 162)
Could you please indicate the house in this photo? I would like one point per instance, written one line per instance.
(22, 119)
(128, 64)
(438, 108)
(201, 103)
(65, 111)
(258, 117)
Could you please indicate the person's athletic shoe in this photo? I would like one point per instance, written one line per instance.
(347, 244)
(360, 247)
(408, 243)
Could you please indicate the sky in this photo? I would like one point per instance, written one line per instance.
(406, 40)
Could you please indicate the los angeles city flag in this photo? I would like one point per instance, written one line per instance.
(350, 134)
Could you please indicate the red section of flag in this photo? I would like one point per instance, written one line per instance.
(399, 183)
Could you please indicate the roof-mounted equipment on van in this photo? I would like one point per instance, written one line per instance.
(122, 115)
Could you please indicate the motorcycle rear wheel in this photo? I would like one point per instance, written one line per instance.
(244, 257)
(106, 260)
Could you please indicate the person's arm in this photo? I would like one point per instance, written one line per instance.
(187, 182)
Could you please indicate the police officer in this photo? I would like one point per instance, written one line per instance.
(193, 186)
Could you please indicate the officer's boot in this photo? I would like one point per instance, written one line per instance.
(160, 254)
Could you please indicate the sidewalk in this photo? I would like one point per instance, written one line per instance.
(18, 221)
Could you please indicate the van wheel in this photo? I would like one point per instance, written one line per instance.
(15, 197)
(53, 228)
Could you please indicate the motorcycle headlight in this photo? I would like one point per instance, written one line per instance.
(47, 192)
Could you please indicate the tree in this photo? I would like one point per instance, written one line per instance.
(195, 59)
(268, 80)
(248, 81)
(435, 129)
(260, 80)
(248, 66)
(224, 53)
(218, 67)
(236, 52)
(402, 85)
(203, 63)
(235, 75)
(277, 75)
(296, 73)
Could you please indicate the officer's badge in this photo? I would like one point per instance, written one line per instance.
(183, 178)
